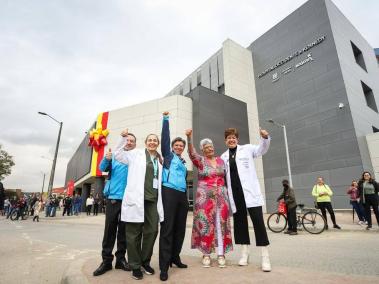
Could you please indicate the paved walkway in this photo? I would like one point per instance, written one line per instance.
(295, 259)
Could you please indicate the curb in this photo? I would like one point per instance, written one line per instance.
(74, 273)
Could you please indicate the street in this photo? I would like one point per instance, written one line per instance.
(43, 252)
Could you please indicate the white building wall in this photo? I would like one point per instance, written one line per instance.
(145, 118)
(373, 148)
(240, 84)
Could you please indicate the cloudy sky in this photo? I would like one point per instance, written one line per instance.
(74, 59)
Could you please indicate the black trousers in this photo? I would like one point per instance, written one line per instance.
(291, 216)
(113, 226)
(327, 206)
(241, 228)
(89, 208)
(173, 228)
(95, 209)
(371, 200)
(66, 209)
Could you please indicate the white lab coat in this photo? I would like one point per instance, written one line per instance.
(245, 155)
(132, 209)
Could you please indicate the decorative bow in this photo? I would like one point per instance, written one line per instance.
(98, 138)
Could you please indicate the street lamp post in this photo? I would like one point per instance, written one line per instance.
(43, 184)
(51, 180)
(286, 145)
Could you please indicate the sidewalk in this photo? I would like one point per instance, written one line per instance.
(80, 271)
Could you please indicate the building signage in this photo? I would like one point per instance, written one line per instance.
(293, 55)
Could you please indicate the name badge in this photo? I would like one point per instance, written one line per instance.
(155, 183)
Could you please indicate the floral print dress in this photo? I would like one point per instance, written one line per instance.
(211, 198)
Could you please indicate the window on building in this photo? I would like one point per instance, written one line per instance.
(369, 96)
(375, 130)
(198, 77)
(358, 56)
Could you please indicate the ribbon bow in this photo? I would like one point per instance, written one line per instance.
(98, 138)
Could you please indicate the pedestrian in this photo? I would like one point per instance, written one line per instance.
(2, 198)
(67, 202)
(7, 204)
(54, 204)
(77, 204)
(32, 201)
(114, 227)
(368, 192)
(142, 207)
(48, 206)
(96, 203)
(211, 229)
(245, 193)
(174, 199)
(288, 195)
(37, 208)
(12, 206)
(322, 193)
(354, 201)
(89, 203)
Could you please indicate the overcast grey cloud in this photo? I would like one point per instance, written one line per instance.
(74, 59)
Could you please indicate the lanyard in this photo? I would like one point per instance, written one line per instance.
(155, 165)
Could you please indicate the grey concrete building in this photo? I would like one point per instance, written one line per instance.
(312, 72)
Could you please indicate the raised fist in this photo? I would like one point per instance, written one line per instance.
(124, 133)
(189, 132)
(264, 134)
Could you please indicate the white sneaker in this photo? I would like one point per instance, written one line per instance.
(206, 261)
(244, 256)
(221, 261)
(266, 265)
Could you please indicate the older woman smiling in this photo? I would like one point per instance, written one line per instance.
(211, 225)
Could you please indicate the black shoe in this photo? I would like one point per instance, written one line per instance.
(104, 267)
(368, 227)
(178, 263)
(148, 269)
(163, 276)
(122, 264)
(335, 226)
(293, 233)
(137, 274)
(326, 227)
(288, 232)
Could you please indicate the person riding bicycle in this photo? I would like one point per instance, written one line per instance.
(288, 195)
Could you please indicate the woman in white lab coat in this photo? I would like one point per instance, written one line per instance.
(142, 208)
(245, 193)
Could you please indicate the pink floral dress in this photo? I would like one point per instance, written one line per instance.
(211, 197)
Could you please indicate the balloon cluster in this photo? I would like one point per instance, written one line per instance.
(98, 138)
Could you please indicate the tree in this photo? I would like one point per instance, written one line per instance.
(6, 163)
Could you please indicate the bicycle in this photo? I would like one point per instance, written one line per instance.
(308, 218)
(19, 212)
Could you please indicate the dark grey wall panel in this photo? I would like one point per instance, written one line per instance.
(321, 137)
(212, 113)
(80, 163)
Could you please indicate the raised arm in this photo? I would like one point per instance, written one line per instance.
(264, 144)
(194, 156)
(165, 136)
(120, 154)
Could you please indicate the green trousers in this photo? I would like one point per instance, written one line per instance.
(141, 237)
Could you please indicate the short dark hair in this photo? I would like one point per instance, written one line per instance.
(178, 139)
(231, 131)
(131, 134)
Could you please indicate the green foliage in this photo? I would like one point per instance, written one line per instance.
(6, 163)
